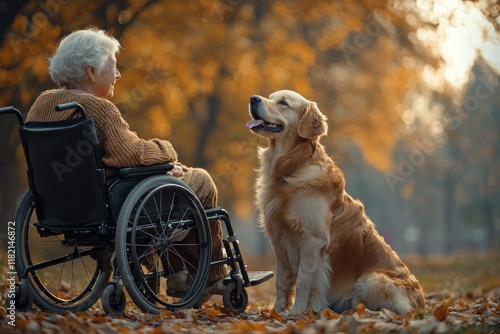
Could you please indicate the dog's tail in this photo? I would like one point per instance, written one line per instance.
(379, 290)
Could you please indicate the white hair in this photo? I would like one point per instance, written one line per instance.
(81, 48)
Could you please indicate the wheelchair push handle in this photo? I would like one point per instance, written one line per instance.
(72, 105)
(12, 110)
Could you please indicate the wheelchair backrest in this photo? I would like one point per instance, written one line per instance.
(65, 172)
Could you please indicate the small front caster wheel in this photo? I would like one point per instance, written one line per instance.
(232, 300)
(20, 305)
(111, 303)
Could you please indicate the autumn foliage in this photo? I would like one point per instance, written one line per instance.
(190, 67)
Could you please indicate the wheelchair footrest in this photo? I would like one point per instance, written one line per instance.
(255, 278)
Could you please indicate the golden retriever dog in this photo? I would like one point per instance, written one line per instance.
(328, 253)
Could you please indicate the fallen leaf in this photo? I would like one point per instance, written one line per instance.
(211, 312)
(247, 326)
(329, 314)
(360, 309)
(442, 311)
(99, 319)
(275, 315)
(301, 324)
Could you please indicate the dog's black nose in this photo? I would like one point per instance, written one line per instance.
(255, 99)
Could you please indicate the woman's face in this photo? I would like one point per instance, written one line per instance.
(103, 85)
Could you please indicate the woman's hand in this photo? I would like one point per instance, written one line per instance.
(176, 171)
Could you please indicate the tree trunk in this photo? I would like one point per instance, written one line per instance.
(213, 104)
(448, 212)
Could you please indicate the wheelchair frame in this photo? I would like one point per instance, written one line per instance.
(148, 216)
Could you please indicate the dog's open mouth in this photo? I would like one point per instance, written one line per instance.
(260, 124)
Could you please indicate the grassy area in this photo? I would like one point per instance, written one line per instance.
(456, 275)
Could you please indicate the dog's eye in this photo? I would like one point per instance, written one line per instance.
(283, 102)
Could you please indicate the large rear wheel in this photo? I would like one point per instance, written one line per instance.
(63, 274)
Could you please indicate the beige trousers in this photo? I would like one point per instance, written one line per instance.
(204, 187)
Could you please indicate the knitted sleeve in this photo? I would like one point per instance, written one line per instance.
(123, 148)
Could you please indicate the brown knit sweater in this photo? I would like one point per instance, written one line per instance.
(122, 147)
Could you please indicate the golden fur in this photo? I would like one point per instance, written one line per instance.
(327, 249)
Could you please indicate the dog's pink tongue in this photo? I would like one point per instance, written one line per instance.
(254, 122)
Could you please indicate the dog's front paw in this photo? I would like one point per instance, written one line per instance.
(299, 306)
(284, 315)
(280, 308)
(293, 316)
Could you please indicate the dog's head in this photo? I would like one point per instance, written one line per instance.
(286, 113)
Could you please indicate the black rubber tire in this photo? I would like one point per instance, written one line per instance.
(26, 305)
(231, 299)
(115, 309)
(74, 285)
(153, 223)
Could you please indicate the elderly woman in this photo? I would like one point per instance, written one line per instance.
(84, 67)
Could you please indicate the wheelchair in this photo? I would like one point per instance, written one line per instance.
(83, 235)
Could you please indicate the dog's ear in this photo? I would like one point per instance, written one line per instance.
(312, 124)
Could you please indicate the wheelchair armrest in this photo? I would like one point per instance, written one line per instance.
(145, 170)
(216, 213)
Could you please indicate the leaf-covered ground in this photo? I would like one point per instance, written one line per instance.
(462, 293)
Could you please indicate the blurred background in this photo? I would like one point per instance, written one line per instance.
(411, 90)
